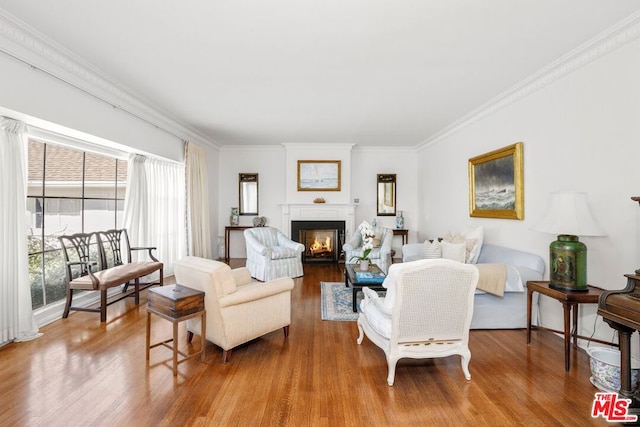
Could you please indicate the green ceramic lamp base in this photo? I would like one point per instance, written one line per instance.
(568, 264)
(568, 288)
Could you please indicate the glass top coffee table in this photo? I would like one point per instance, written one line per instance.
(357, 283)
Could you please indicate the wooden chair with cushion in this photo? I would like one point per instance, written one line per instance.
(94, 262)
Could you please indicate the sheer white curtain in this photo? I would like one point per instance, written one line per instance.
(154, 208)
(198, 230)
(16, 316)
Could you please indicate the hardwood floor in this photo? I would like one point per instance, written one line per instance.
(83, 373)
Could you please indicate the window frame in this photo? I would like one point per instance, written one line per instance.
(117, 199)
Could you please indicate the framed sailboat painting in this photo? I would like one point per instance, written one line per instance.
(319, 175)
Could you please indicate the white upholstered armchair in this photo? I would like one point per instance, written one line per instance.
(426, 312)
(239, 309)
(380, 254)
(271, 254)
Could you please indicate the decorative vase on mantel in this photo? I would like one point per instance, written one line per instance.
(364, 265)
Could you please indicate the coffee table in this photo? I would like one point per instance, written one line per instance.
(350, 279)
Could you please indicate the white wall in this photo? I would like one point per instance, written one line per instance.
(269, 162)
(366, 164)
(295, 152)
(579, 133)
(277, 169)
(34, 93)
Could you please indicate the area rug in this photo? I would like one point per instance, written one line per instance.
(336, 302)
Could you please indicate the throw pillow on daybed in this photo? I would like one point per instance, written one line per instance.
(472, 241)
(453, 250)
(431, 250)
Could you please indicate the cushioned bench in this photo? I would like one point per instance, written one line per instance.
(94, 262)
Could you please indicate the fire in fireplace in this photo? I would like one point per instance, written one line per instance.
(322, 239)
(318, 248)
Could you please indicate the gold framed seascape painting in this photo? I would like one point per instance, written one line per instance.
(319, 175)
(496, 187)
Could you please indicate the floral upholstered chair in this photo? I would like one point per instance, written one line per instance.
(380, 254)
(271, 254)
(426, 312)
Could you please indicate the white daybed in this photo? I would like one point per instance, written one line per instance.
(492, 311)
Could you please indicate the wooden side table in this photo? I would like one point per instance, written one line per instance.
(176, 303)
(227, 232)
(570, 301)
(402, 232)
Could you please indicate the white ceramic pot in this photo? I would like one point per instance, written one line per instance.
(605, 369)
(364, 265)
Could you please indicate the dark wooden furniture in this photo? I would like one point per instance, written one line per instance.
(95, 262)
(351, 279)
(176, 303)
(621, 310)
(227, 232)
(570, 301)
(402, 232)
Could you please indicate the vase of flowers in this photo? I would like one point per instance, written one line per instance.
(366, 231)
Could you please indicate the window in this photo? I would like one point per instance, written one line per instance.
(69, 191)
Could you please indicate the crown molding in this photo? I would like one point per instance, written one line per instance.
(384, 149)
(614, 37)
(318, 146)
(28, 45)
(251, 148)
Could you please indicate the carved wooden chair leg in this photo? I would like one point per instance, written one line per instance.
(103, 305)
(137, 291)
(67, 305)
(226, 355)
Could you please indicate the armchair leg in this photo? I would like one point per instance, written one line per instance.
(226, 355)
(189, 336)
(286, 331)
(391, 362)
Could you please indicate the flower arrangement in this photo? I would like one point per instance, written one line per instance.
(367, 241)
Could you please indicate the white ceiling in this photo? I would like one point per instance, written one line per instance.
(371, 72)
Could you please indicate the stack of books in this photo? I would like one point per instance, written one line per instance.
(370, 277)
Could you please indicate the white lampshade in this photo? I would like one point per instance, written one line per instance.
(568, 213)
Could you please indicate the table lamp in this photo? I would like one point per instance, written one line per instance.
(568, 216)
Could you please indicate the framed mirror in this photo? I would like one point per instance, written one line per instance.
(248, 193)
(386, 195)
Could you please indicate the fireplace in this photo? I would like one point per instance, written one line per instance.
(322, 240)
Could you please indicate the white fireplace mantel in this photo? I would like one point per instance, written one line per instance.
(319, 212)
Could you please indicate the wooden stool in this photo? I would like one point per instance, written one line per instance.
(176, 303)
